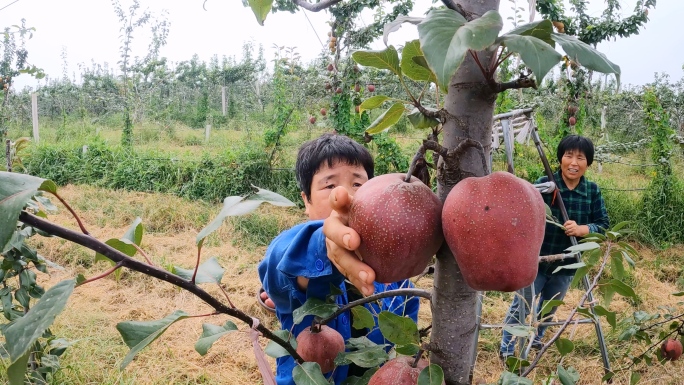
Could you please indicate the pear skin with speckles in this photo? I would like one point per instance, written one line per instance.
(399, 224)
(494, 225)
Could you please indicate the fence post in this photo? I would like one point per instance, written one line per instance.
(223, 100)
(8, 154)
(207, 132)
(34, 115)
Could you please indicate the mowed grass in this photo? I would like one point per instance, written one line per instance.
(171, 226)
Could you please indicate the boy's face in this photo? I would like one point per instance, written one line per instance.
(327, 178)
(573, 165)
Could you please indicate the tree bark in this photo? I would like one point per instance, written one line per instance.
(470, 102)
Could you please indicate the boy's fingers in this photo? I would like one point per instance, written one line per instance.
(337, 231)
(357, 272)
(340, 200)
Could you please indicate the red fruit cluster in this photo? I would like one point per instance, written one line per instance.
(671, 349)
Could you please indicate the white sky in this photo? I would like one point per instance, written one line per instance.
(89, 31)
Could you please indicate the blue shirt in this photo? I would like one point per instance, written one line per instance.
(301, 252)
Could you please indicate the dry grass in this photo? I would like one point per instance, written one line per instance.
(171, 227)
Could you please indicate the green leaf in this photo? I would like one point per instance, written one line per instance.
(535, 53)
(363, 318)
(431, 375)
(567, 377)
(407, 350)
(138, 334)
(617, 269)
(123, 245)
(571, 266)
(418, 120)
(583, 247)
(359, 343)
(261, 8)
(313, 306)
(387, 59)
(21, 335)
(508, 378)
(680, 294)
(629, 260)
(308, 373)
(548, 305)
(22, 297)
(373, 102)
(622, 289)
(365, 357)
(396, 24)
(16, 372)
(603, 312)
(585, 55)
(564, 346)
(446, 37)
(412, 69)
(397, 329)
(363, 380)
(608, 376)
(540, 29)
(387, 119)
(620, 225)
(135, 232)
(210, 334)
(634, 378)
(519, 330)
(208, 272)
(267, 196)
(274, 349)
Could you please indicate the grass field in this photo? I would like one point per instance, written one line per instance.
(171, 224)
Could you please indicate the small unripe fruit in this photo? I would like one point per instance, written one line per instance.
(357, 109)
(398, 371)
(323, 111)
(371, 88)
(572, 120)
(356, 68)
(320, 346)
(331, 67)
(671, 349)
(572, 110)
(328, 86)
(357, 88)
(399, 225)
(312, 120)
(338, 90)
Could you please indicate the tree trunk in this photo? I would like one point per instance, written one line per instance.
(470, 101)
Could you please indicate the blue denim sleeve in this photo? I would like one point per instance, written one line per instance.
(297, 252)
(400, 305)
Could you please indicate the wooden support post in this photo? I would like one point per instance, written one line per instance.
(207, 132)
(34, 115)
(223, 100)
(8, 154)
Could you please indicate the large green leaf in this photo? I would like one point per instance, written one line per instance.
(15, 192)
(508, 378)
(431, 375)
(540, 29)
(583, 247)
(261, 8)
(535, 53)
(568, 376)
(16, 373)
(208, 272)
(211, 333)
(396, 24)
(387, 59)
(586, 55)
(237, 205)
(397, 329)
(565, 346)
(622, 289)
(363, 319)
(548, 305)
(308, 373)
(21, 335)
(373, 102)
(135, 232)
(446, 37)
(418, 120)
(365, 357)
(412, 69)
(571, 266)
(274, 349)
(519, 330)
(387, 119)
(138, 334)
(313, 306)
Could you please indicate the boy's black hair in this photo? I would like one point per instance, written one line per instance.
(576, 142)
(330, 148)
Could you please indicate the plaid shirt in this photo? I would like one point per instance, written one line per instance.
(585, 206)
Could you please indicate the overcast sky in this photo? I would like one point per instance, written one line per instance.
(89, 31)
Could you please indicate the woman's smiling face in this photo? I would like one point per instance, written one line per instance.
(573, 166)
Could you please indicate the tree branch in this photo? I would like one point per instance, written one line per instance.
(427, 145)
(514, 84)
(315, 7)
(152, 271)
(465, 144)
(390, 293)
(451, 4)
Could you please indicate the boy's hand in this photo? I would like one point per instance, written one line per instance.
(341, 242)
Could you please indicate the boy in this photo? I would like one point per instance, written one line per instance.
(296, 265)
(587, 214)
